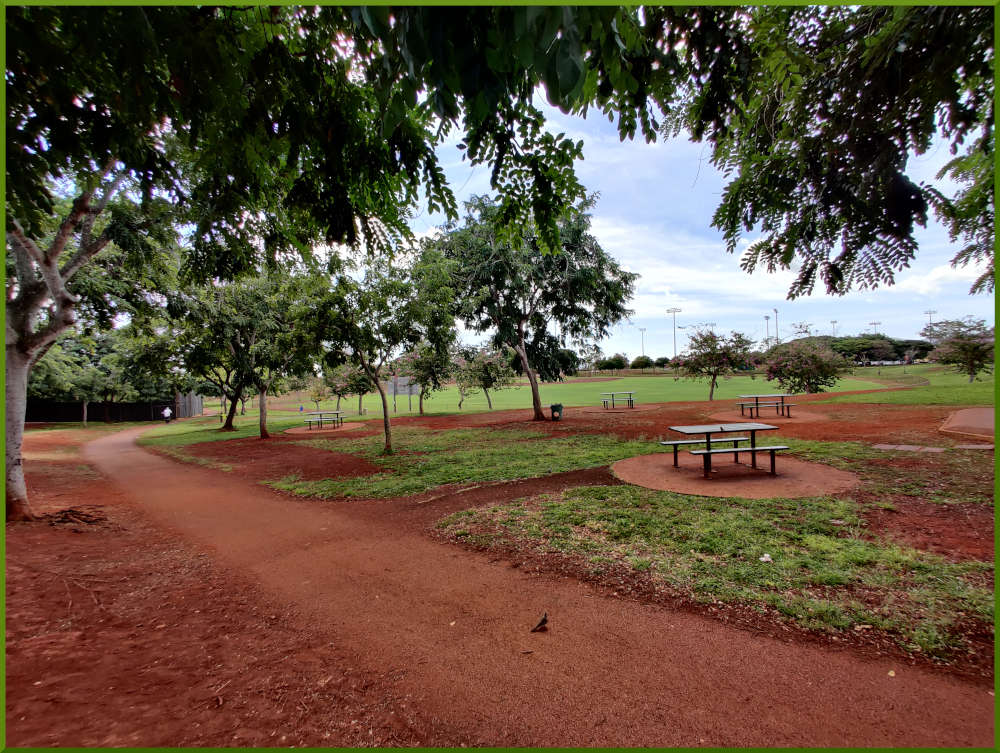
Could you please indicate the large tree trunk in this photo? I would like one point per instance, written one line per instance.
(16, 395)
(85, 404)
(385, 418)
(338, 404)
(711, 388)
(263, 414)
(361, 409)
(42, 278)
(421, 402)
(536, 400)
(233, 403)
(488, 401)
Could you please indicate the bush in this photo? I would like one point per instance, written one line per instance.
(642, 362)
(804, 367)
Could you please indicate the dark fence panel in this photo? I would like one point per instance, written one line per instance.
(51, 411)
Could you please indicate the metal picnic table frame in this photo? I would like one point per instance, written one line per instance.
(629, 400)
(779, 397)
(337, 417)
(709, 429)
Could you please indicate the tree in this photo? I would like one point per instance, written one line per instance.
(662, 362)
(425, 365)
(804, 366)
(965, 344)
(246, 335)
(613, 363)
(252, 132)
(823, 112)
(710, 356)
(347, 379)
(482, 369)
(319, 391)
(642, 362)
(512, 287)
(371, 320)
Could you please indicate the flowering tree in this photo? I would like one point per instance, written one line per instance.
(347, 379)
(485, 369)
(711, 356)
(804, 366)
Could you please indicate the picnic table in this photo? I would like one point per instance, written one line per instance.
(608, 399)
(709, 429)
(776, 401)
(336, 417)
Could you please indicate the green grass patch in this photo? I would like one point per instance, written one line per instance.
(572, 393)
(931, 385)
(821, 575)
(207, 429)
(428, 459)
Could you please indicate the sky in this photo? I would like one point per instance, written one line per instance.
(654, 216)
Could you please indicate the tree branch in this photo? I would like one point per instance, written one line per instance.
(88, 222)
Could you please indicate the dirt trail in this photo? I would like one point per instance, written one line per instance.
(608, 672)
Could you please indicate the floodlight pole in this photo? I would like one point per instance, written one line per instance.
(674, 311)
(642, 334)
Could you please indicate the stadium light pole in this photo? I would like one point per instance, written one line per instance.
(642, 334)
(674, 311)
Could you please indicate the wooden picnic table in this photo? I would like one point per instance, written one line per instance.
(777, 400)
(606, 395)
(334, 416)
(709, 429)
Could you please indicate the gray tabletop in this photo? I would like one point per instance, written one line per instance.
(712, 428)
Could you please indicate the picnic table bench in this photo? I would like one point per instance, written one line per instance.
(676, 443)
(608, 399)
(336, 417)
(709, 429)
(776, 401)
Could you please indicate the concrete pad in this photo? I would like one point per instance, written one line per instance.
(973, 422)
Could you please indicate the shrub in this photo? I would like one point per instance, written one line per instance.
(804, 367)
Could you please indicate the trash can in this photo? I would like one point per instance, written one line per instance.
(557, 411)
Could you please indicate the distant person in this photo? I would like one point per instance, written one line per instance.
(300, 409)
(167, 413)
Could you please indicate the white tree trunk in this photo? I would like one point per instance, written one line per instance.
(16, 394)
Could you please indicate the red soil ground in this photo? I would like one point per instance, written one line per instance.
(161, 604)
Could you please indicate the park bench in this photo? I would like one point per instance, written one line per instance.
(776, 405)
(752, 450)
(677, 442)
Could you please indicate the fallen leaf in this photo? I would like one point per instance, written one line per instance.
(892, 673)
(452, 623)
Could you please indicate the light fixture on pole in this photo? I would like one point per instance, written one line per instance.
(777, 337)
(642, 334)
(875, 325)
(674, 312)
(929, 312)
(834, 323)
(767, 328)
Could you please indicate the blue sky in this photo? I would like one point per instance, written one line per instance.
(654, 215)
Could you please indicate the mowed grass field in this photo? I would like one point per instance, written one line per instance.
(571, 393)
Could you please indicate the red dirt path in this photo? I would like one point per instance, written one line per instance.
(240, 616)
